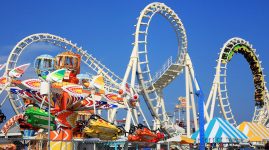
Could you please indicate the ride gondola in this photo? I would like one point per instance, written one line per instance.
(97, 127)
(44, 64)
(141, 133)
(71, 62)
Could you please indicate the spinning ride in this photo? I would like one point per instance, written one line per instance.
(54, 101)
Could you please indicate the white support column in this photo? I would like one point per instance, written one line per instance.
(128, 70)
(157, 124)
(189, 64)
(193, 106)
(210, 96)
(128, 120)
(187, 101)
(108, 115)
(213, 102)
(144, 118)
(164, 114)
(112, 114)
(99, 111)
(131, 66)
(134, 116)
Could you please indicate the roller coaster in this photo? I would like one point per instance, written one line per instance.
(61, 94)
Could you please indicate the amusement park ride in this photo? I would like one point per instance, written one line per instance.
(56, 99)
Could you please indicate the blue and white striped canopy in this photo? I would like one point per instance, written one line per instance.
(220, 131)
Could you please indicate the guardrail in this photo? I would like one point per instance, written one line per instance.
(164, 68)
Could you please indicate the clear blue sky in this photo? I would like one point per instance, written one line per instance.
(105, 29)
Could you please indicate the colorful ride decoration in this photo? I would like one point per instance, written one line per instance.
(141, 133)
(18, 71)
(61, 139)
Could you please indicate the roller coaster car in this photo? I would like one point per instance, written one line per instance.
(259, 103)
(226, 50)
(258, 78)
(246, 52)
(230, 55)
(224, 58)
(254, 66)
(39, 118)
(258, 81)
(259, 94)
(143, 134)
(97, 127)
(257, 71)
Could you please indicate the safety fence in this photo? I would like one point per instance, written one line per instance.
(94, 144)
(82, 144)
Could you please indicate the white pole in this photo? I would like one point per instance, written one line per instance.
(129, 67)
(213, 102)
(140, 110)
(134, 116)
(210, 96)
(189, 64)
(193, 106)
(187, 101)
(128, 120)
(49, 115)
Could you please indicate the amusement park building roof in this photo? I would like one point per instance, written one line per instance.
(220, 131)
(255, 132)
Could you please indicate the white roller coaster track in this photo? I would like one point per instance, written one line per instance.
(112, 80)
(219, 89)
(139, 62)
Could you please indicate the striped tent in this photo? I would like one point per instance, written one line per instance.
(220, 131)
(255, 132)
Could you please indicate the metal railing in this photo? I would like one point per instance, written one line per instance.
(164, 68)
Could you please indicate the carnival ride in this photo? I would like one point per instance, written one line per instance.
(60, 93)
(141, 133)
